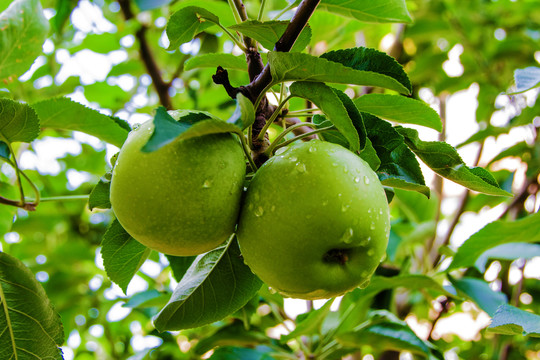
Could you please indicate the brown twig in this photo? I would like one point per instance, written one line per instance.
(147, 57)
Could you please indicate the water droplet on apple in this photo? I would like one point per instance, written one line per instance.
(371, 252)
(369, 211)
(300, 167)
(293, 158)
(339, 195)
(345, 207)
(272, 290)
(372, 226)
(312, 149)
(334, 164)
(207, 184)
(345, 170)
(347, 236)
(383, 257)
(380, 212)
(280, 151)
(259, 211)
(364, 284)
(366, 180)
(325, 202)
(136, 126)
(273, 208)
(356, 179)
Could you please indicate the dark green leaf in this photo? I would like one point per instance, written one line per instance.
(399, 167)
(311, 323)
(64, 113)
(122, 255)
(354, 115)
(179, 265)
(146, 299)
(100, 195)
(286, 66)
(184, 124)
(399, 109)
(23, 29)
(445, 161)
(235, 353)
(388, 336)
(371, 60)
(511, 251)
(63, 11)
(244, 114)
(527, 78)
(494, 234)
(479, 291)
(188, 22)
(509, 320)
(369, 154)
(369, 11)
(4, 150)
(234, 334)
(226, 61)
(28, 322)
(267, 33)
(217, 284)
(18, 122)
(330, 103)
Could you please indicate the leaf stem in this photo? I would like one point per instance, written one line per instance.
(274, 146)
(261, 10)
(65, 198)
(247, 150)
(275, 114)
(233, 38)
(235, 11)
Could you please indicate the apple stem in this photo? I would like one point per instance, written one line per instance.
(340, 256)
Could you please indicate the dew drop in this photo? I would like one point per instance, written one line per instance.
(259, 211)
(345, 170)
(272, 290)
(345, 207)
(366, 180)
(372, 226)
(273, 208)
(339, 195)
(207, 184)
(369, 211)
(325, 202)
(347, 236)
(136, 126)
(380, 212)
(312, 149)
(334, 164)
(280, 151)
(300, 167)
(364, 284)
(356, 179)
(371, 252)
(293, 158)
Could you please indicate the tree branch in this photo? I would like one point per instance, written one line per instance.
(147, 57)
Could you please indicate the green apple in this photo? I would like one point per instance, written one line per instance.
(182, 199)
(315, 221)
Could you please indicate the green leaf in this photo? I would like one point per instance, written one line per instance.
(18, 122)
(64, 113)
(369, 11)
(311, 323)
(511, 251)
(234, 334)
(399, 109)
(479, 291)
(122, 255)
(217, 284)
(483, 134)
(526, 79)
(28, 322)
(267, 33)
(187, 22)
(371, 60)
(286, 66)
(331, 104)
(180, 265)
(494, 234)
(399, 167)
(354, 115)
(244, 114)
(100, 195)
(188, 124)
(145, 5)
(387, 336)
(63, 11)
(445, 161)
(516, 150)
(509, 320)
(4, 150)
(369, 154)
(226, 61)
(23, 30)
(147, 299)
(235, 353)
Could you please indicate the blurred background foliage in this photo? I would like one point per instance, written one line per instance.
(458, 54)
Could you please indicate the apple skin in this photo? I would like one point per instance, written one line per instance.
(182, 199)
(315, 221)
